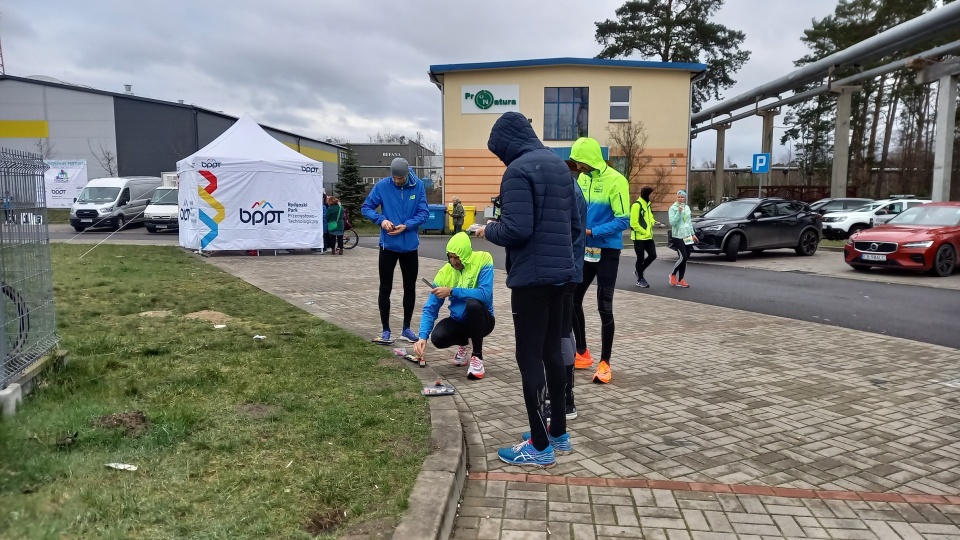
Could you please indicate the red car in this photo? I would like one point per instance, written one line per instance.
(924, 238)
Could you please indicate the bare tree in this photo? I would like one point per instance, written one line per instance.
(628, 141)
(337, 140)
(45, 148)
(106, 159)
(661, 185)
(388, 138)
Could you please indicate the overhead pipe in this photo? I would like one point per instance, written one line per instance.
(859, 77)
(904, 35)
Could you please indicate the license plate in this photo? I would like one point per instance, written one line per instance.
(873, 257)
(161, 226)
(86, 221)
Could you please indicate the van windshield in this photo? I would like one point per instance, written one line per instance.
(164, 196)
(98, 194)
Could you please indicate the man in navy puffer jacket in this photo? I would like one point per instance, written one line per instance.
(539, 220)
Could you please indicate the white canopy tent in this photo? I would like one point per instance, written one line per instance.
(247, 190)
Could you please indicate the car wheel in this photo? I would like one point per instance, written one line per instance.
(944, 261)
(120, 222)
(79, 229)
(808, 243)
(150, 229)
(860, 267)
(855, 229)
(732, 248)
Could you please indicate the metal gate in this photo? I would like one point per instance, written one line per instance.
(28, 321)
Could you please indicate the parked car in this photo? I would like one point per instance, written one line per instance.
(924, 238)
(841, 225)
(756, 225)
(842, 204)
(112, 202)
(163, 212)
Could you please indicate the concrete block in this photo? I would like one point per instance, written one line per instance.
(10, 397)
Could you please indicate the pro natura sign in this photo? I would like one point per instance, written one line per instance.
(489, 99)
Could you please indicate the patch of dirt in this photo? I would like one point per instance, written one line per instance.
(156, 314)
(258, 410)
(134, 423)
(377, 529)
(325, 522)
(210, 316)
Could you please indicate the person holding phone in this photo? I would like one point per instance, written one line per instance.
(682, 236)
(467, 280)
(402, 200)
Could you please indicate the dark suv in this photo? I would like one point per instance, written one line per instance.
(758, 224)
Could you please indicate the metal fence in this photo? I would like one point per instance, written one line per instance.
(28, 321)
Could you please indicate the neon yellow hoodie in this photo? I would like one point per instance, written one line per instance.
(607, 193)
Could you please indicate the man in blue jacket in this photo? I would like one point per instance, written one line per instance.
(402, 200)
(538, 222)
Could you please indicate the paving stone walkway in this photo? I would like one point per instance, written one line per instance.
(719, 424)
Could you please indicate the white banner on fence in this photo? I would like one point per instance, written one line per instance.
(64, 181)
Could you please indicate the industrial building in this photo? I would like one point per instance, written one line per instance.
(119, 133)
(564, 98)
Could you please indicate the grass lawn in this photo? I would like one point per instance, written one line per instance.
(285, 437)
(59, 216)
(832, 243)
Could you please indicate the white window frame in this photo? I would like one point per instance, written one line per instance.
(621, 104)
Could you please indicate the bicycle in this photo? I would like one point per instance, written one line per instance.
(350, 239)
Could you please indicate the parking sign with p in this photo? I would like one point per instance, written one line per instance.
(761, 164)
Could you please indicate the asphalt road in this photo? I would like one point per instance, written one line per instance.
(912, 312)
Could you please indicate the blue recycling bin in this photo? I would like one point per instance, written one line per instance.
(435, 221)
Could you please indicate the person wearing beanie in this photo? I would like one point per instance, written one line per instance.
(398, 205)
(608, 214)
(641, 225)
(682, 236)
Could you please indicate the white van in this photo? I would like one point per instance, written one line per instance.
(163, 211)
(112, 202)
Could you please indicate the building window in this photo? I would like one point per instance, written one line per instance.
(565, 113)
(619, 103)
(343, 156)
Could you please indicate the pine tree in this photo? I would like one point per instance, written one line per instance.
(677, 31)
(349, 186)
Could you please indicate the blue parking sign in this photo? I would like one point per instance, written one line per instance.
(761, 164)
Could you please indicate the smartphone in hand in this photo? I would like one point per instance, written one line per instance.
(427, 283)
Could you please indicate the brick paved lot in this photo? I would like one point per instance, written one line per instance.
(704, 395)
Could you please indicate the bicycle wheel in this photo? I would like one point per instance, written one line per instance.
(350, 239)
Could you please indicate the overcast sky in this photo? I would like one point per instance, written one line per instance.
(347, 68)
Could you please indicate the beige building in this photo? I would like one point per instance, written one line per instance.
(564, 98)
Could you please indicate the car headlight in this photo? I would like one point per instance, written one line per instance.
(925, 244)
(106, 210)
(832, 219)
(712, 228)
(850, 240)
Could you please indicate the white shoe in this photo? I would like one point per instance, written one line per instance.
(460, 359)
(475, 371)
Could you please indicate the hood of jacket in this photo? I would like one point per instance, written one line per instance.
(512, 136)
(587, 150)
(460, 245)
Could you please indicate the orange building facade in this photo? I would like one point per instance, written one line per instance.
(564, 98)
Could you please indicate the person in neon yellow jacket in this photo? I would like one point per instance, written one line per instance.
(608, 214)
(642, 222)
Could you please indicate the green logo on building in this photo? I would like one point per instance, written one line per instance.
(483, 99)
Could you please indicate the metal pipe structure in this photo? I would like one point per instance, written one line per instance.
(859, 77)
(931, 24)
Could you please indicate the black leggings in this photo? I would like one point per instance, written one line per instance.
(684, 251)
(409, 266)
(478, 324)
(641, 247)
(337, 243)
(605, 270)
(536, 325)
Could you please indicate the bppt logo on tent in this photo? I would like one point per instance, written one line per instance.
(261, 216)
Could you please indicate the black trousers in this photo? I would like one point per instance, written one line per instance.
(537, 314)
(684, 251)
(477, 325)
(641, 248)
(605, 271)
(409, 266)
(336, 242)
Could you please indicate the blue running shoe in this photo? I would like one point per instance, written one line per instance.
(408, 335)
(561, 445)
(525, 454)
(384, 338)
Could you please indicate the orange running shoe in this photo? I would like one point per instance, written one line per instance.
(583, 361)
(683, 284)
(602, 376)
(673, 280)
